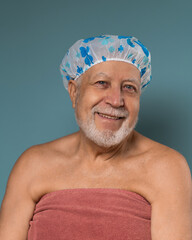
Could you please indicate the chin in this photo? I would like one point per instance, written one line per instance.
(105, 138)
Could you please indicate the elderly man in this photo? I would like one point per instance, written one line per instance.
(105, 181)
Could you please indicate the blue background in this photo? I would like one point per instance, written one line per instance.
(35, 35)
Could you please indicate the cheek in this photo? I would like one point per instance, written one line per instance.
(133, 107)
(90, 98)
(84, 104)
(137, 106)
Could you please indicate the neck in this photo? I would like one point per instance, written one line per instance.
(90, 151)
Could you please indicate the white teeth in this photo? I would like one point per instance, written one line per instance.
(107, 116)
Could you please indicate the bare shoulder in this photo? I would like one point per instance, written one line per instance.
(169, 190)
(32, 173)
(18, 203)
(22, 174)
(168, 173)
(36, 164)
(47, 152)
(24, 168)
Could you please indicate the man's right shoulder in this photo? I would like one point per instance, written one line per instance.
(26, 165)
(43, 155)
(39, 153)
(32, 155)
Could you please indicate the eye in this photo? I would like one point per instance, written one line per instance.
(101, 83)
(130, 88)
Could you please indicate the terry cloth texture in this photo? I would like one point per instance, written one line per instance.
(91, 214)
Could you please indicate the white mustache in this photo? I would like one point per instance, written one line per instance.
(111, 111)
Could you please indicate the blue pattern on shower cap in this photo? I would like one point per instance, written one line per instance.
(85, 53)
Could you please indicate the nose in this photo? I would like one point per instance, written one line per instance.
(114, 97)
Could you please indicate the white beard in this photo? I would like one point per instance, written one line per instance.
(105, 138)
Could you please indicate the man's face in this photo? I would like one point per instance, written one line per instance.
(107, 102)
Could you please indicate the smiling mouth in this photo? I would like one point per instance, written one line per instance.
(109, 116)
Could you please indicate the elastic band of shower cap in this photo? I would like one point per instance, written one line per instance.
(85, 53)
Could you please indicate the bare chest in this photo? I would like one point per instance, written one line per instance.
(131, 174)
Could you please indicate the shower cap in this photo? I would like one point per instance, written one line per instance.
(85, 53)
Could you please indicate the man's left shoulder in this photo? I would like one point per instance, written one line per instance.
(169, 173)
(168, 158)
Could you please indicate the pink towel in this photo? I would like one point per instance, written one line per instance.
(91, 214)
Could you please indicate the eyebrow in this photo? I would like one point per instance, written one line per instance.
(133, 80)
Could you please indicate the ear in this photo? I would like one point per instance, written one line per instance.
(72, 89)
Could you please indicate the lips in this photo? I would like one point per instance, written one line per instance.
(109, 116)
